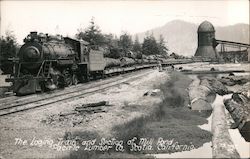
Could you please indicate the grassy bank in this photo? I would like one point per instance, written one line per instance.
(171, 120)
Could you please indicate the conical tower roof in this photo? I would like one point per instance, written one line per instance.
(206, 26)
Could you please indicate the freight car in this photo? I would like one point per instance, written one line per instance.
(47, 62)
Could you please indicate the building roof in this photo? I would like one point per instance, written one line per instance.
(206, 26)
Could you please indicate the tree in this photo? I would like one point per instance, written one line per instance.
(150, 46)
(111, 41)
(8, 48)
(161, 46)
(137, 48)
(125, 42)
(92, 34)
(137, 45)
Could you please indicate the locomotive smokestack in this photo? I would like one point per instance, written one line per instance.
(33, 35)
(206, 38)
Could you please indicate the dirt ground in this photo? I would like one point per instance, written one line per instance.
(43, 124)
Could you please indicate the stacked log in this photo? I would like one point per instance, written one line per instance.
(110, 62)
(239, 108)
(139, 61)
(144, 56)
(125, 61)
(151, 57)
(152, 61)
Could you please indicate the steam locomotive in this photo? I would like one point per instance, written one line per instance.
(48, 62)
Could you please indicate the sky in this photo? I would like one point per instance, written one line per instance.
(116, 17)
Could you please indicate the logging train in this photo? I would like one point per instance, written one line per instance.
(48, 62)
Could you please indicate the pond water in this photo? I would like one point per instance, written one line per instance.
(241, 145)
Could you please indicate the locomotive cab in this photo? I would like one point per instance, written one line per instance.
(91, 62)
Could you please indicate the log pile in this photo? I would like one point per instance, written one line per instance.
(239, 108)
(214, 85)
(139, 61)
(202, 92)
(125, 61)
(233, 80)
(110, 62)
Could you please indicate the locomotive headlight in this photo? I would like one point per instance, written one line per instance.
(31, 53)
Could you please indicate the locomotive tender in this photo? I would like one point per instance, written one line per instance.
(49, 62)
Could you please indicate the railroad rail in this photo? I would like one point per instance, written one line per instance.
(23, 105)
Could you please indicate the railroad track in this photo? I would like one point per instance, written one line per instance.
(47, 99)
(17, 100)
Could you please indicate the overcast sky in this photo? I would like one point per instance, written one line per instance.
(65, 17)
